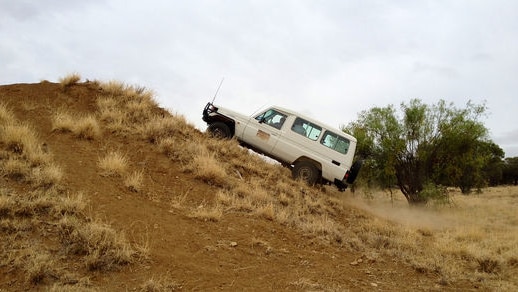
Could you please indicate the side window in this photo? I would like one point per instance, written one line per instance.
(272, 118)
(306, 128)
(335, 142)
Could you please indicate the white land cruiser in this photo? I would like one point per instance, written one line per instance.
(315, 152)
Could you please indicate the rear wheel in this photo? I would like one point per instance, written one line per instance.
(305, 171)
(219, 130)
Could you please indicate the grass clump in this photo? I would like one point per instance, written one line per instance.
(6, 115)
(207, 168)
(69, 80)
(134, 181)
(211, 213)
(102, 247)
(18, 138)
(85, 127)
(113, 164)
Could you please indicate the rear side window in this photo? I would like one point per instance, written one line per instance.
(306, 128)
(335, 142)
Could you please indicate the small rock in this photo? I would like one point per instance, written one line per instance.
(233, 244)
(374, 285)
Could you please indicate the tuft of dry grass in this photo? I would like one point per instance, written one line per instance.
(207, 168)
(102, 247)
(6, 115)
(85, 127)
(69, 80)
(47, 176)
(159, 128)
(72, 204)
(16, 169)
(127, 109)
(160, 284)
(18, 138)
(113, 164)
(38, 267)
(211, 213)
(134, 181)
(62, 121)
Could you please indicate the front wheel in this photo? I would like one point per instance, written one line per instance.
(219, 130)
(305, 171)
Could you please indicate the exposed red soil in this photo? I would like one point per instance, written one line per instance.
(239, 252)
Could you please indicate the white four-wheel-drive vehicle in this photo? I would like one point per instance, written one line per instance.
(316, 153)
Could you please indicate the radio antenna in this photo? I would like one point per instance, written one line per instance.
(214, 98)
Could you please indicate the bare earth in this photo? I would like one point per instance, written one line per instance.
(238, 252)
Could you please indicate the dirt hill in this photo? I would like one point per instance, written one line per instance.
(178, 216)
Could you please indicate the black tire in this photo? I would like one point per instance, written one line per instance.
(306, 171)
(219, 130)
(353, 172)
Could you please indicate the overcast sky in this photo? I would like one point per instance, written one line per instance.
(329, 59)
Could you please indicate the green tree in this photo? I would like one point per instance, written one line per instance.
(494, 168)
(421, 146)
(510, 171)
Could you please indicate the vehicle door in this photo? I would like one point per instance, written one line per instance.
(263, 131)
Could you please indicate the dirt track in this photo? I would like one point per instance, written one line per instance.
(238, 252)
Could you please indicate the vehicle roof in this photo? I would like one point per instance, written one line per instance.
(309, 119)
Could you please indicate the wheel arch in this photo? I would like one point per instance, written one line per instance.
(317, 164)
(226, 120)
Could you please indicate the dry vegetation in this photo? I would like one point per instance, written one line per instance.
(475, 239)
(37, 223)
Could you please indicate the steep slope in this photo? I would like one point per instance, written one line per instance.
(171, 215)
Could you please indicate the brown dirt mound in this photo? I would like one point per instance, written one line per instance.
(236, 252)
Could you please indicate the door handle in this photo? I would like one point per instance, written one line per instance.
(336, 162)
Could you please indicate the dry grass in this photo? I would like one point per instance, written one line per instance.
(47, 176)
(210, 213)
(475, 239)
(69, 80)
(62, 121)
(159, 128)
(134, 181)
(19, 138)
(6, 115)
(113, 164)
(207, 168)
(84, 127)
(126, 109)
(38, 224)
(87, 128)
(160, 284)
(103, 248)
